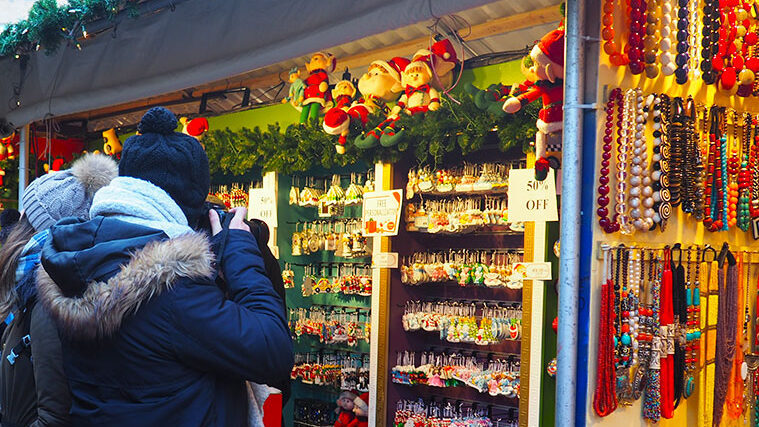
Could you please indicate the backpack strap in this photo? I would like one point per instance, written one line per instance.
(24, 317)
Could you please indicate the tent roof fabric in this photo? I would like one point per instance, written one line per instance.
(199, 42)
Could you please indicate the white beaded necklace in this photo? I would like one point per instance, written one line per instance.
(667, 32)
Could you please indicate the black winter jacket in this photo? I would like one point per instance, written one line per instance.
(33, 390)
(148, 338)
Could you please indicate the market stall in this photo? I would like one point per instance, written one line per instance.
(415, 292)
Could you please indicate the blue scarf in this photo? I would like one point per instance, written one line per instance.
(26, 289)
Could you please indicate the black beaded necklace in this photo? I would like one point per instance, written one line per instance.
(682, 57)
(710, 40)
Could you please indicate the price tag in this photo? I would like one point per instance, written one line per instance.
(385, 260)
(533, 270)
(530, 199)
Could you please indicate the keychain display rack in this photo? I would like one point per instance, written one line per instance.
(449, 339)
(324, 261)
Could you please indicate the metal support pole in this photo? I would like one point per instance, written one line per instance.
(23, 163)
(569, 262)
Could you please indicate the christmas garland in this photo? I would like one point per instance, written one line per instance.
(48, 24)
(448, 133)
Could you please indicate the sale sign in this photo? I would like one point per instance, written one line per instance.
(530, 199)
(381, 213)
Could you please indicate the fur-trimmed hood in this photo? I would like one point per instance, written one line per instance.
(90, 290)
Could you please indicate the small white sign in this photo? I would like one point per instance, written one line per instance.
(381, 213)
(262, 204)
(537, 270)
(385, 260)
(530, 199)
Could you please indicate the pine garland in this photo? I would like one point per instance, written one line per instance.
(452, 131)
(48, 25)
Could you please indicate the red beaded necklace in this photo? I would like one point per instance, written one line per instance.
(603, 189)
(638, 10)
(605, 396)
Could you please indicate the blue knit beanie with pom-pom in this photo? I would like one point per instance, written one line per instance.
(173, 161)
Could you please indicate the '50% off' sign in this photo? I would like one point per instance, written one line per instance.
(530, 199)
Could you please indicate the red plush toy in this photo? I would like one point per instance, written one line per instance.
(361, 408)
(548, 67)
(345, 405)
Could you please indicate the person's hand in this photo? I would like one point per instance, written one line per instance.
(237, 223)
(213, 218)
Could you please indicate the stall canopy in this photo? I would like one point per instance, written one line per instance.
(192, 43)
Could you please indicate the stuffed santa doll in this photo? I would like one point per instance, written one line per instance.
(548, 68)
(361, 408)
(442, 59)
(381, 83)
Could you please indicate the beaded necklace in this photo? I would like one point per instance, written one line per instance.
(683, 47)
(639, 179)
(710, 37)
(625, 133)
(744, 177)
(615, 97)
(723, 172)
(733, 167)
(605, 398)
(754, 169)
(614, 50)
(724, 62)
(693, 334)
(624, 342)
(652, 401)
(667, 58)
(701, 142)
(644, 332)
(676, 149)
(637, 33)
(651, 42)
(693, 39)
(716, 176)
(661, 162)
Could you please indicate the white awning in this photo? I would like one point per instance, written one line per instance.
(199, 42)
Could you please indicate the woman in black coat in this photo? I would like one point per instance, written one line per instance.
(34, 389)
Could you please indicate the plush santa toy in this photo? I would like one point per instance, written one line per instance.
(548, 68)
(380, 84)
(345, 405)
(418, 97)
(316, 96)
(442, 59)
(361, 408)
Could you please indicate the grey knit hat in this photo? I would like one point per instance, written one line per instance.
(67, 193)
